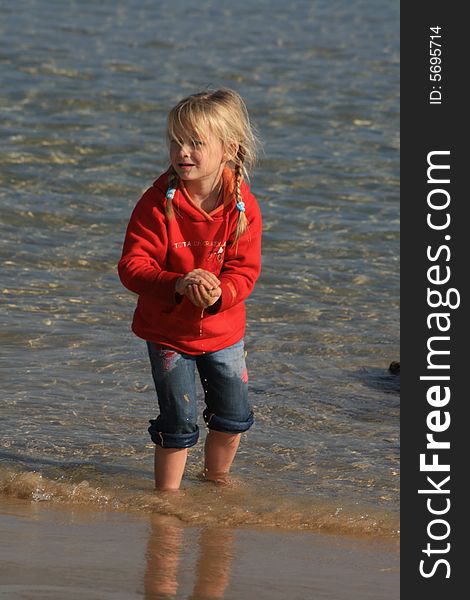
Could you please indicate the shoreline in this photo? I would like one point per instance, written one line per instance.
(241, 505)
(56, 551)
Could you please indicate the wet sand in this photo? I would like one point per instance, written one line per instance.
(51, 552)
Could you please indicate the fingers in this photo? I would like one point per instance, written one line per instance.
(202, 277)
(195, 294)
(214, 296)
(202, 297)
(189, 293)
(199, 277)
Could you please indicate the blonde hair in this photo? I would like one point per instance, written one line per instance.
(225, 114)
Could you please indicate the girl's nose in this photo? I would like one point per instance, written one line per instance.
(184, 150)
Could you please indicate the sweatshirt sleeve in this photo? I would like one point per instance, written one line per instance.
(142, 265)
(242, 263)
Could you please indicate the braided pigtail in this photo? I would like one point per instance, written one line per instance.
(242, 221)
(172, 185)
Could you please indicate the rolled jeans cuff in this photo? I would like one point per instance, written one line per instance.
(227, 425)
(172, 440)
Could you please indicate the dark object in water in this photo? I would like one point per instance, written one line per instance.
(380, 378)
(394, 367)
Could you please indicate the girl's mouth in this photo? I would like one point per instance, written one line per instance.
(185, 165)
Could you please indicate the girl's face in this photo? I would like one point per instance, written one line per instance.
(198, 159)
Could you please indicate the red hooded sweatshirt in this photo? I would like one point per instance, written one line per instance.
(158, 250)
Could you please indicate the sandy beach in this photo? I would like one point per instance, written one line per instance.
(55, 552)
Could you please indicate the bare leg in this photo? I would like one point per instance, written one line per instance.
(169, 467)
(220, 450)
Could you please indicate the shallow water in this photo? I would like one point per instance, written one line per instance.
(52, 552)
(85, 91)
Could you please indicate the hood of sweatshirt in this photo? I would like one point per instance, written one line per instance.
(183, 203)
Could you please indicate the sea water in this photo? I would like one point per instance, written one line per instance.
(85, 90)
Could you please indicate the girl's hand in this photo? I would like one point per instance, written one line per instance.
(200, 296)
(199, 277)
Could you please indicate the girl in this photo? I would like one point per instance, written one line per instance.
(192, 253)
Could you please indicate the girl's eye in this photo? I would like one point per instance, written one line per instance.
(197, 143)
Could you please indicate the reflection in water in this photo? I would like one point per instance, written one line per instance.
(165, 565)
(213, 564)
(163, 554)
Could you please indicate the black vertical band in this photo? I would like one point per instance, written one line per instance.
(435, 291)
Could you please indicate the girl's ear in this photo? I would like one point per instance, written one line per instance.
(230, 152)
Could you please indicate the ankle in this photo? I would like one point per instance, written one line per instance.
(218, 477)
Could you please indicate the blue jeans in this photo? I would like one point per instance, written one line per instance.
(224, 379)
